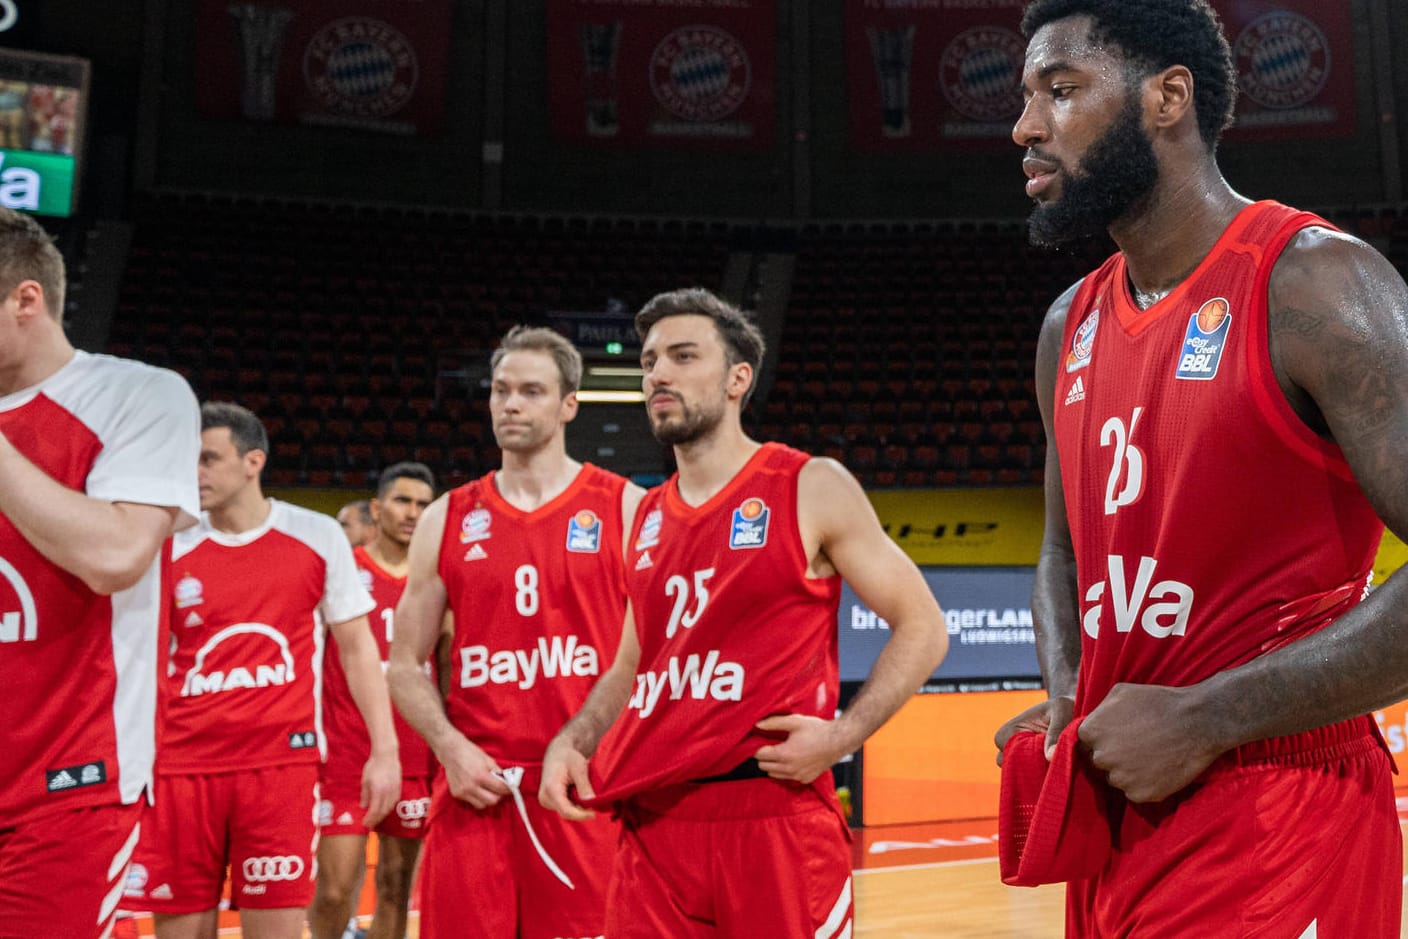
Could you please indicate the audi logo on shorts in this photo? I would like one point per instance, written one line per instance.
(265, 869)
(413, 810)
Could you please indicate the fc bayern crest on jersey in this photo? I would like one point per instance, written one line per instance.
(189, 592)
(584, 533)
(980, 73)
(1205, 340)
(1083, 343)
(361, 67)
(750, 525)
(475, 525)
(649, 535)
(1283, 60)
(700, 73)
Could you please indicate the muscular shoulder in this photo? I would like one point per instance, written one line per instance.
(827, 494)
(1334, 302)
(104, 391)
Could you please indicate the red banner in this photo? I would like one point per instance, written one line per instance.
(933, 74)
(641, 73)
(1295, 67)
(371, 64)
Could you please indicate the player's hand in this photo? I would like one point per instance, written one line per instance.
(811, 748)
(564, 766)
(381, 787)
(471, 774)
(1146, 740)
(1050, 717)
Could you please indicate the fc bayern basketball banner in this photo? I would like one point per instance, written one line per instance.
(371, 64)
(933, 74)
(644, 73)
(1295, 67)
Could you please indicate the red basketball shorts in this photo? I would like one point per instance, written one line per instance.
(62, 874)
(732, 860)
(482, 876)
(261, 823)
(1294, 838)
(340, 811)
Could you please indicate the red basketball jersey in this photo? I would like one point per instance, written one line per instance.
(538, 601)
(731, 629)
(248, 614)
(349, 747)
(1210, 524)
(78, 670)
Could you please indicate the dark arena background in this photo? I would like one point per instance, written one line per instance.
(330, 210)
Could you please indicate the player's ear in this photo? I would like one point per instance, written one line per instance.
(569, 406)
(254, 461)
(740, 379)
(1172, 95)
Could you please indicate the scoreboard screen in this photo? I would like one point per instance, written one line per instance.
(43, 101)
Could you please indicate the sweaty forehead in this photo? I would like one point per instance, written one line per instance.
(1068, 44)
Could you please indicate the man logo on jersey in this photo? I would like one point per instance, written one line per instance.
(475, 525)
(750, 525)
(584, 533)
(19, 617)
(189, 592)
(649, 530)
(1083, 343)
(1204, 341)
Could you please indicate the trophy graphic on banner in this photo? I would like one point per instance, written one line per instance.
(599, 44)
(892, 49)
(261, 31)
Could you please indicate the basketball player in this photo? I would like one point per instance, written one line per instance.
(97, 458)
(404, 491)
(356, 521)
(720, 764)
(529, 560)
(253, 587)
(1227, 409)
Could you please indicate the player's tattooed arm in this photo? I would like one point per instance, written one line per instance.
(1055, 611)
(1339, 345)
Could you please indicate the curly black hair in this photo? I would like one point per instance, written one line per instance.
(1156, 34)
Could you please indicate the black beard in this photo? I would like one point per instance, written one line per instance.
(690, 426)
(1116, 175)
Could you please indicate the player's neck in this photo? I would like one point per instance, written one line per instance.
(528, 481)
(390, 556)
(709, 464)
(245, 512)
(1184, 219)
(49, 350)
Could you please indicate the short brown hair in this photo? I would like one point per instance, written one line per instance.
(541, 339)
(246, 430)
(28, 253)
(743, 341)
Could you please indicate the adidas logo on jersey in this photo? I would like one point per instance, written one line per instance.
(644, 562)
(476, 553)
(1077, 392)
(162, 892)
(61, 780)
(75, 777)
(345, 818)
(194, 620)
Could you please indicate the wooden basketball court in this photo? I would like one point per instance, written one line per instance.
(931, 881)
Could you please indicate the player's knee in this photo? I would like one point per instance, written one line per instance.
(393, 879)
(331, 895)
